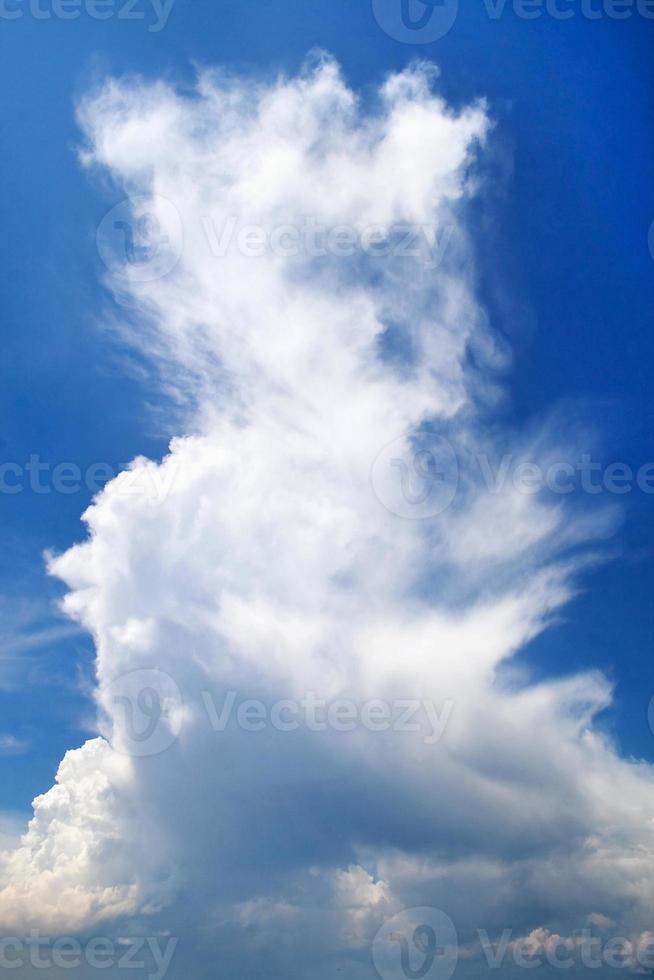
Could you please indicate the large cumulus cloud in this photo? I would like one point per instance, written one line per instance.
(273, 566)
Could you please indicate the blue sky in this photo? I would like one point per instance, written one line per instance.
(562, 268)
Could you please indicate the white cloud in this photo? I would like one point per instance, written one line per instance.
(11, 745)
(269, 566)
(71, 867)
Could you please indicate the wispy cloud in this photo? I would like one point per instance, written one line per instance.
(286, 562)
(11, 745)
(28, 627)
